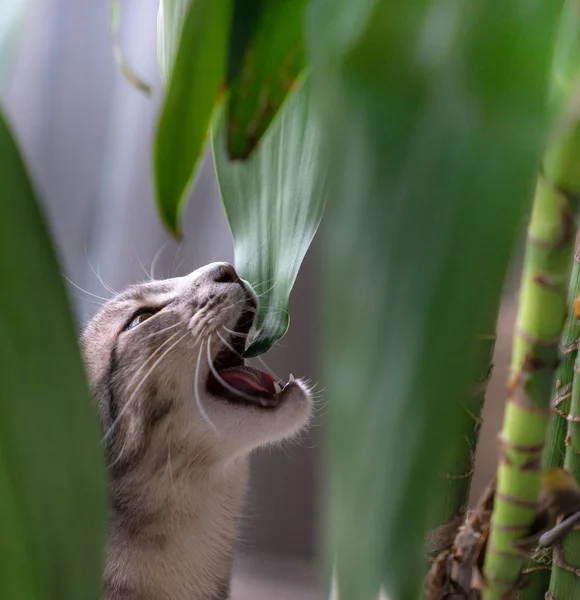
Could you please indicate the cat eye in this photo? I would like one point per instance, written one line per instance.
(138, 319)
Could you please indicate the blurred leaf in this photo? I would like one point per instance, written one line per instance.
(122, 63)
(198, 74)
(170, 19)
(246, 16)
(274, 202)
(273, 56)
(435, 115)
(566, 66)
(12, 15)
(53, 493)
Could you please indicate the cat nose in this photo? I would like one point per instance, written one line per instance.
(225, 273)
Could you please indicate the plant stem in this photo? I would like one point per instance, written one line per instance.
(555, 449)
(565, 580)
(537, 579)
(541, 315)
(451, 497)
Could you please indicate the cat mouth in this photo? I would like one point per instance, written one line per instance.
(232, 380)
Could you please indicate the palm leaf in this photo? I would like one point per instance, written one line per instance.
(196, 79)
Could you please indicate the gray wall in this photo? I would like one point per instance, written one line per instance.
(87, 137)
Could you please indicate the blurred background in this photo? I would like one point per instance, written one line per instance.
(86, 134)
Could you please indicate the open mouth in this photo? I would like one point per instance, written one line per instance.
(231, 379)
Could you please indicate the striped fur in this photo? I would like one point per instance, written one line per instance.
(177, 476)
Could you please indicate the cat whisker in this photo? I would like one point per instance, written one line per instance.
(265, 282)
(234, 304)
(255, 310)
(98, 274)
(106, 286)
(173, 268)
(264, 364)
(198, 402)
(89, 300)
(85, 291)
(227, 344)
(230, 347)
(238, 333)
(162, 330)
(179, 265)
(319, 406)
(143, 380)
(150, 358)
(119, 455)
(268, 290)
(222, 382)
(145, 272)
(156, 259)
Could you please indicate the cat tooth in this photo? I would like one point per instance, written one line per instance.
(291, 378)
(263, 402)
(277, 387)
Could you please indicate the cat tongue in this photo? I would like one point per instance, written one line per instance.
(249, 381)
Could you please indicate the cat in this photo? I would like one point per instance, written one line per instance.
(180, 414)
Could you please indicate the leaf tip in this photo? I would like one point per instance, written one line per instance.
(169, 217)
(267, 336)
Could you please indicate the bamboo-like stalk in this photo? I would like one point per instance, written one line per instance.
(538, 569)
(565, 580)
(541, 315)
(555, 449)
(451, 499)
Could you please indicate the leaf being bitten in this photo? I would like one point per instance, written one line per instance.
(274, 202)
(170, 19)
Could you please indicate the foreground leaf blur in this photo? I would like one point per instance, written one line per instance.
(435, 113)
(52, 483)
(12, 15)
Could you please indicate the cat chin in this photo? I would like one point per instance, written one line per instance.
(242, 428)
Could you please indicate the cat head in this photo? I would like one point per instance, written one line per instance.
(168, 355)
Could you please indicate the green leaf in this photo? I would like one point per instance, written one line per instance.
(274, 202)
(566, 66)
(267, 49)
(170, 19)
(435, 114)
(246, 16)
(197, 77)
(52, 481)
(12, 15)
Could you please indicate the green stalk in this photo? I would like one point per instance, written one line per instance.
(541, 315)
(451, 497)
(565, 581)
(555, 449)
(539, 568)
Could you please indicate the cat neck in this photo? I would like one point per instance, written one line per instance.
(172, 536)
